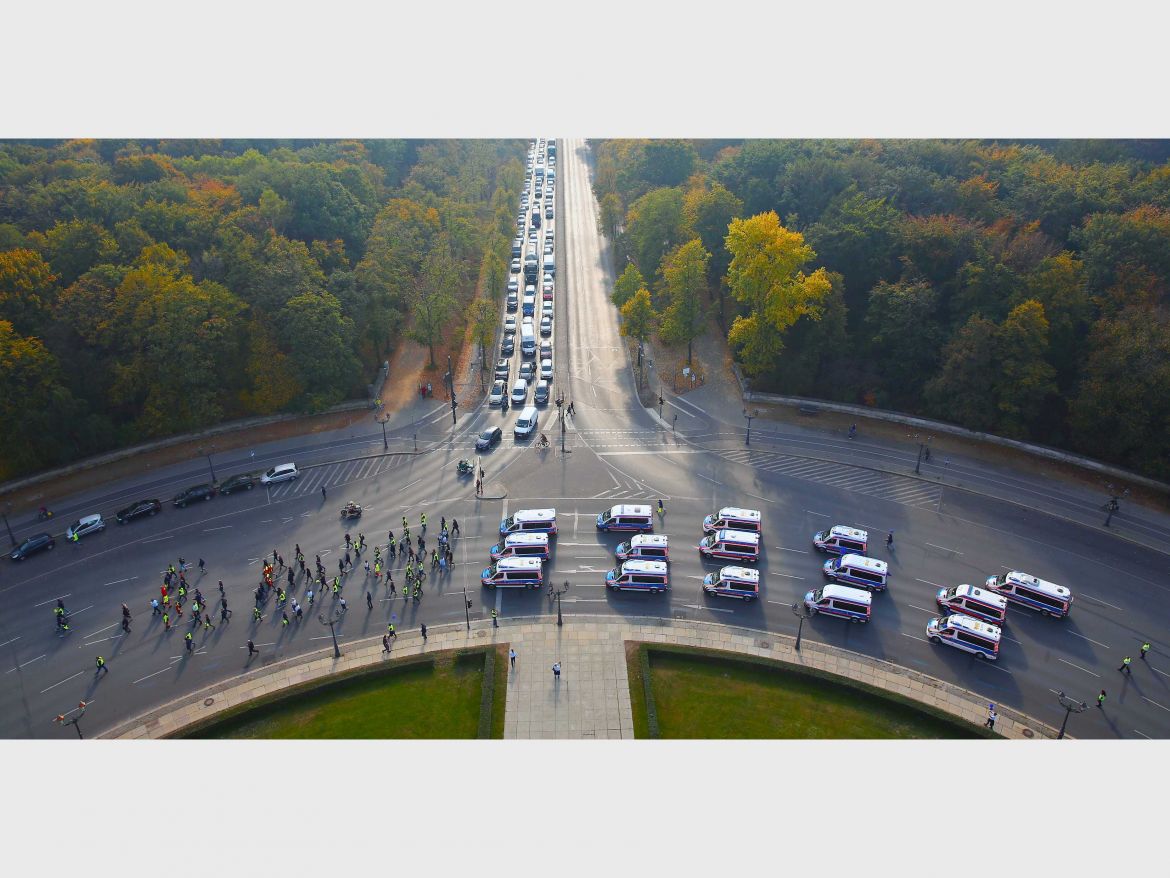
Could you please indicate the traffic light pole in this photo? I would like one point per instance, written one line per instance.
(451, 389)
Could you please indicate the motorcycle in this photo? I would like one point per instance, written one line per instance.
(44, 514)
(351, 510)
(464, 467)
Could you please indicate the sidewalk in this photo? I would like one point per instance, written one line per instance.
(592, 699)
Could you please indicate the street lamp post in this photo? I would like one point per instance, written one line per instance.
(556, 593)
(1112, 506)
(331, 622)
(210, 465)
(661, 401)
(75, 721)
(467, 606)
(755, 413)
(385, 441)
(7, 526)
(1070, 705)
(801, 612)
(923, 454)
(451, 389)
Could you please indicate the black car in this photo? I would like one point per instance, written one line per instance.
(508, 346)
(32, 545)
(195, 492)
(243, 481)
(489, 437)
(137, 510)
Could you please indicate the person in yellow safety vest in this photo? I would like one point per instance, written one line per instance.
(101, 665)
(336, 585)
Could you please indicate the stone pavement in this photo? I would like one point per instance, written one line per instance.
(592, 699)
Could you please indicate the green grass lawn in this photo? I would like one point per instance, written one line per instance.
(707, 697)
(420, 700)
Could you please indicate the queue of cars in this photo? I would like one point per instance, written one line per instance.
(95, 523)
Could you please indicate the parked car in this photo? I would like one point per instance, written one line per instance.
(488, 438)
(137, 510)
(34, 544)
(195, 492)
(87, 524)
(241, 482)
(282, 472)
(499, 390)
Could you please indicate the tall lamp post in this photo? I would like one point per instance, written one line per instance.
(385, 441)
(1112, 506)
(923, 454)
(75, 721)
(467, 606)
(210, 465)
(754, 413)
(556, 593)
(331, 622)
(450, 376)
(1070, 705)
(8, 527)
(801, 612)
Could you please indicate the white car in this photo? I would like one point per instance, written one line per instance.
(87, 524)
(519, 392)
(546, 325)
(546, 350)
(546, 310)
(282, 472)
(510, 326)
(514, 268)
(546, 370)
(496, 397)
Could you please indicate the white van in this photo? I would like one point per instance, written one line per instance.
(971, 601)
(519, 392)
(521, 545)
(966, 633)
(858, 570)
(1030, 591)
(530, 521)
(550, 265)
(733, 518)
(648, 547)
(527, 340)
(841, 540)
(514, 573)
(734, 582)
(625, 517)
(649, 576)
(738, 545)
(526, 423)
(280, 473)
(840, 600)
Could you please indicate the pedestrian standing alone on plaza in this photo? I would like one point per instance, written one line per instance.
(557, 672)
(369, 601)
(512, 657)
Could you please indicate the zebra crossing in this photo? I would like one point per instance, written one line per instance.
(334, 474)
(898, 489)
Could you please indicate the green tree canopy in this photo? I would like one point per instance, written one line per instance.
(684, 282)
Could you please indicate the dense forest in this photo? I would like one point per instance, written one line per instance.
(148, 288)
(1020, 288)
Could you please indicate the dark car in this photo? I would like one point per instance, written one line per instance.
(195, 492)
(32, 545)
(137, 510)
(243, 481)
(489, 437)
(508, 346)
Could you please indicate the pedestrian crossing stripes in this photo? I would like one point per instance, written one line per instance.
(331, 475)
(898, 489)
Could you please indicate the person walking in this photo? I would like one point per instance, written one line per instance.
(495, 619)
(369, 601)
(344, 608)
(348, 563)
(299, 612)
(423, 630)
(385, 643)
(478, 488)
(323, 496)
(455, 527)
(224, 613)
(890, 540)
(340, 566)
(291, 579)
(101, 666)
(221, 588)
(310, 596)
(207, 626)
(390, 584)
(512, 658)
(1101, 699)
(252, 649)
(367, 567)
(992, 716)
(661, 510)
(1145, 649)
(557, 672)
(256, 617)
(283, 620)
(166, 621)
(190, 641)
(1125, 665)
(156, 610)
(390, 632)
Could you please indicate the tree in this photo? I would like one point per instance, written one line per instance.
(684, 280)
(709, 210)
(75, 247)
(492, 271)
(272, 379)
(610, 215)
(483, 321)
(432, 297)
(31, 402)
(654, 224)
(667, 162)
(857, 236)
(904, 337)
(1025, 378)
(27, 289)
(638, 322)
(318, 336)
(765, 274)
(627, 285)
(1110, 242)
(959, 392)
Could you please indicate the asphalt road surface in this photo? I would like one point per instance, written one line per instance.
(803, 480)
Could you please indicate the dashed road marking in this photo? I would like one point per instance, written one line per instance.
(1079, 668)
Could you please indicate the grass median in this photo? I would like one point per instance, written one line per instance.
(437, 698)
(698, 694)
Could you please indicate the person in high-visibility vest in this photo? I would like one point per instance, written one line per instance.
(101, 665)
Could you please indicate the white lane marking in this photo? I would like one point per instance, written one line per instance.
(1003, 636)
(52, 600)
(1098, 600)
(781, 603)
(1143, 734)
(66, 680)
(995, 666)
(758, 497)
(928, 582)
(208, 530)
(712, 609)
(1079, 668)
(82, 610)
(29, 662)
(914, 637)
(580, 557)
(148, 676)
(158, 539)
(411, 485)
(821, 514)
(916, 607)
(327, 637)
(1163, 673)
(273, 643)
(783, 549)
(99, 631)
(1156, 704)
(944, 548)
(785, 575)
(587, 600)
(1090, 639)
(706, 478)
(13, 640)
(117, 581)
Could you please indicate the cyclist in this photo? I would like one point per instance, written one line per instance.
(543, 441)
